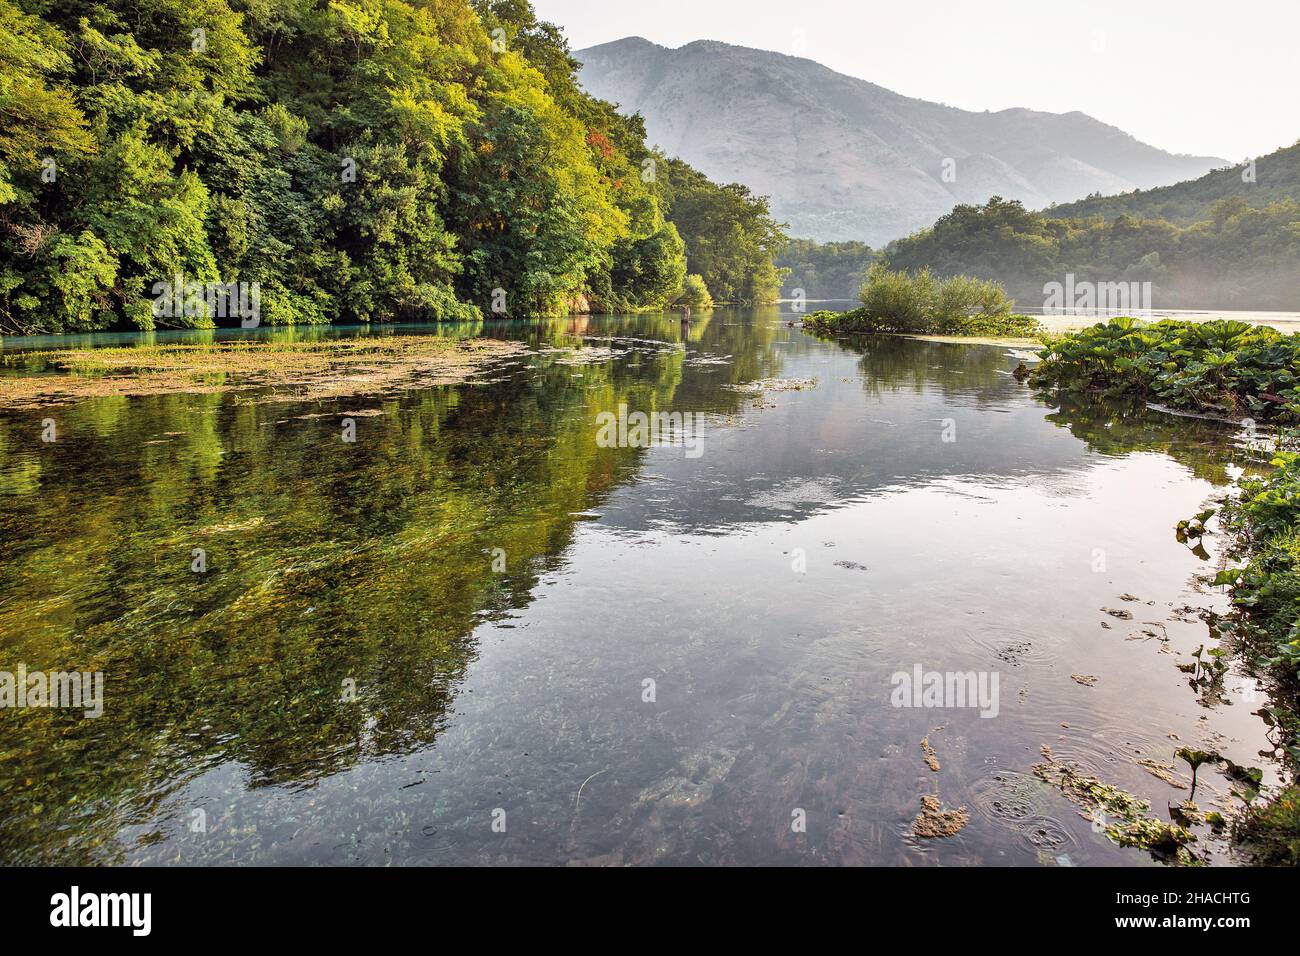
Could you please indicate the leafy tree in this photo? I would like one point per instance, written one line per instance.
(360, 160)
(695, 293)
(731, 238)
(832, 270)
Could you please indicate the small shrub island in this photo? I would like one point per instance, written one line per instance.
(925, 304)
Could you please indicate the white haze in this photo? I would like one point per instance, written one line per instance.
(1190, 76)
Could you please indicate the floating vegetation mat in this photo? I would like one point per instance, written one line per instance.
(774, 385)
(934, 821)
(1124, 818)
(291, 370)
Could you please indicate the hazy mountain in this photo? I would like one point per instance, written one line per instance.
(846, 159)
(1269, 179)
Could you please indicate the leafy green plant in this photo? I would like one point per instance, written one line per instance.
(1196, 759)
(694, 294)
(923, 304)
(1224, 368)
(1193, 529)
(1270, 831)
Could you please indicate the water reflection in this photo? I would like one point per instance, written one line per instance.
(457, 613)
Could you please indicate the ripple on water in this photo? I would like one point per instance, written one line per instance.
(1082, 732)
(1025, 806)
(1009, 646)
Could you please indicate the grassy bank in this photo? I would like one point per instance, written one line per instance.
(1233, 371)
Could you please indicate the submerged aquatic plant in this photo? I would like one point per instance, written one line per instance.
(1123, 817)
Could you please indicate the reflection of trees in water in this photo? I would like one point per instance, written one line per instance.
(327, 562)
(746, 336)
(1119, 428)
(892, 363)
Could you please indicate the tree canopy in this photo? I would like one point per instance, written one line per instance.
(360, 160)
(831, 270)
(1239, 257)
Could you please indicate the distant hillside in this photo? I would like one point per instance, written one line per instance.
(1241, 257)
(1276, 177)
(832, 270)
(845, 159)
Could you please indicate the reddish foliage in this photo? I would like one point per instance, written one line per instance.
(601, 143)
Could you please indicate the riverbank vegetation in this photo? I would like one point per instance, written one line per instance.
(924, 304)
(1262, 524)
(1238, 257)
(1225, 368)
(1229, 370)
(831, 270)
(357, 161)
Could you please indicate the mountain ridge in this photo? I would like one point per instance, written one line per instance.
(1274, 177)
(844, 158)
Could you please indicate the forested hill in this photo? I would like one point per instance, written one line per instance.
(1239, 258)
(357, 160)
(1269, 179)
(845, 159)
(1230, 239)
(820, 271)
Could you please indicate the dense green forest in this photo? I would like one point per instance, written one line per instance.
(359, 160)
(1258, 183)
(1230, 239)
(831, 270)
(1241, 257)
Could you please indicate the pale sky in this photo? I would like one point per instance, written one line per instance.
(1189, 76)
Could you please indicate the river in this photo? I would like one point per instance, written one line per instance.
(476, 635)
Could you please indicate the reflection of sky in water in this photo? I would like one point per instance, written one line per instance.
(818, 447)
(772, 685)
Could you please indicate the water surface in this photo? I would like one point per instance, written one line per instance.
(451, 622)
